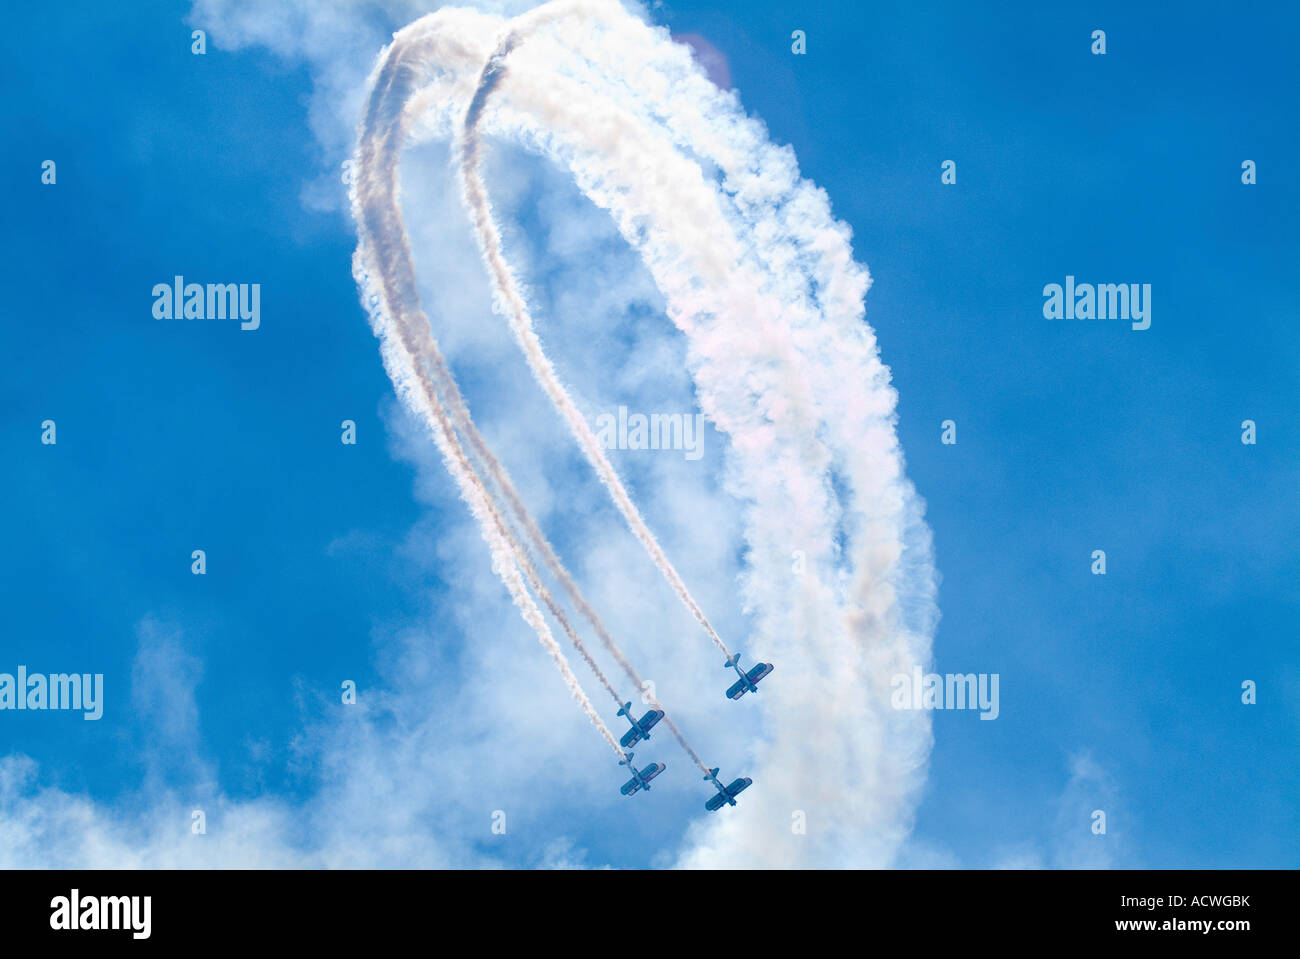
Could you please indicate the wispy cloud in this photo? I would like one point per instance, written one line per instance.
(1089, 802)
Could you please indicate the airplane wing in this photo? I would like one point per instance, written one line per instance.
(649, 719)
(631, 737)
(739, 786)
(630, 787)
(714, 804)
(759, 671)
(653, 770)
(736, 691)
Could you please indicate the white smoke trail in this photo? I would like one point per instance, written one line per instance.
(760, 277)
(403, 329)
(460, 414)
(521, 324)
(376, 197)
(505, 551)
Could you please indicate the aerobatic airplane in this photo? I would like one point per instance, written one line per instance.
(639, 780)
(748, 682)
(726, 794)
(640, 727)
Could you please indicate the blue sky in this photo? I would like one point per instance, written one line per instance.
(330, 562)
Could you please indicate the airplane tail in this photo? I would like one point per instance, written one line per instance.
(731, 661)
(713, 773)
(626, 710)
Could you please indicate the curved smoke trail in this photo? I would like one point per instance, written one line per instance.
(403, 328)
(375, 192)
(759, 277)
(521, 323)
